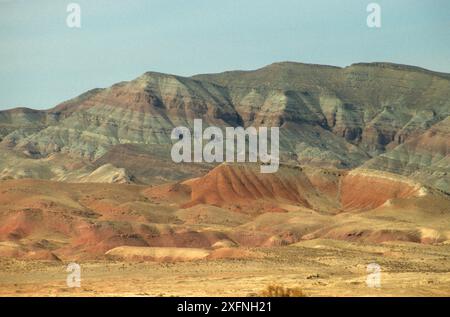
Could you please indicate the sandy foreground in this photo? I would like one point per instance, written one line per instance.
(317, 267)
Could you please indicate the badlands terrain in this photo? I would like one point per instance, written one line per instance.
(364, 178)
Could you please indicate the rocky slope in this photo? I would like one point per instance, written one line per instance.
(425, 157)
(371, 114)
(372, 105)
(230, 207)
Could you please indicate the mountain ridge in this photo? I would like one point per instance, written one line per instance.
(328, 116)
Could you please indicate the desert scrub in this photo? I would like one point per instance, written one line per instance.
(275, 290)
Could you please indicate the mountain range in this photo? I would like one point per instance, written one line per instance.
(379, 116)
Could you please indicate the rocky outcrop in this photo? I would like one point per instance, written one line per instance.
(425, 157)
(243, 188)
(108, 174)
(371, 105)
(355, 195)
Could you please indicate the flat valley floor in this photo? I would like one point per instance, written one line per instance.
(318, 267)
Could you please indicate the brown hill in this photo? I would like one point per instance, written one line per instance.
(243, 188)
(231, 206)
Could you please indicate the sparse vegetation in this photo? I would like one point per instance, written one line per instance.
(276, 290)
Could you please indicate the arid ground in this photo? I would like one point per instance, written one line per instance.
(318, 268)
(232, 232)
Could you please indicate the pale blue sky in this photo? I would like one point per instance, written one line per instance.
(43, 62)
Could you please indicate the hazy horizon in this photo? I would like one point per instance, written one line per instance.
(44, 62)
